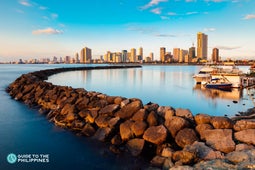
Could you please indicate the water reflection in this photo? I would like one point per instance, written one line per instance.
(234, 94)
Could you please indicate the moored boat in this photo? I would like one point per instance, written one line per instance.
(218, 83)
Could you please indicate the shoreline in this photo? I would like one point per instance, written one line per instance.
(169, 137)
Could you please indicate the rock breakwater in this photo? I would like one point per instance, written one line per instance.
(169, 137)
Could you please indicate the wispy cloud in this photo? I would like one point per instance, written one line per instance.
(19, 11)
(209, 29)
(47, 31)
(140, 29)
(191, 13)
(43, 8)
(25, 3)
(152, 3)
(164, 17)
(54, 16)
(249, 16)
(165, 35)
(228, 47)
(190, 0)
(156, 11)
(171, 13)
(214, 0)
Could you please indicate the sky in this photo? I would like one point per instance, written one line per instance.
(47, 28)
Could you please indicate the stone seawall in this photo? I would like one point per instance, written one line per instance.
(171, 138)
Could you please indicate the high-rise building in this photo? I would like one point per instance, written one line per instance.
(162, 54)
(140, 53)
(192, 52)
(77, 58)
(133, 55)
(86, 55)
(124, 55)
(215, 55)
(176, 54)
(202, 45)
(182, 55)
(152, 56)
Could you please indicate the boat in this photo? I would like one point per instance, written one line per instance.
(226, 71)
(218, 83)
(204, 75)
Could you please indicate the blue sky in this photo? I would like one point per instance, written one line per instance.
(46, 28)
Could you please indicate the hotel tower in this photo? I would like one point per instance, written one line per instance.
(202, 47)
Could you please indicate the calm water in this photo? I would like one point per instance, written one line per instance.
(165, 85)
(25, 131)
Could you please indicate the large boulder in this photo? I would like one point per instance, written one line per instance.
(109, 109)
(185, 137)
(135, 146)
(102, 121)
(220, 139)
(140, 115)
(202, 119)
(175, 124)
(185, 113)
(237, 157)
(139, 127)
(127, 111)
(166, 112)
(152, 119)
(200, 128)
(102, 133)
(88, 130)
(126, 132)
(185, 157)
(155, 134)
(222, 123)
(244, 124)
(246, 136)
(243, 146)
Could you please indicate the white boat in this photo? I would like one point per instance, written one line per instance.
(204, 75)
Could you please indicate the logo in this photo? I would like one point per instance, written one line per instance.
(11, 158)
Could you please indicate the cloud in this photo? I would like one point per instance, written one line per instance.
(209, 29)
(191, 13)
(25, 3)
(214, 0)
(54, 16)
(165, 35)
(228, 47)
(152, 3)
(249, 16)
(47, 31)
(156, 11)
(190, 0)
(140, 29)
(43, 8)
(171, 13)
(164, 17)
(19, 11)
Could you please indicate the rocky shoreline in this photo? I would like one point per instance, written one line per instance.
(171, 138)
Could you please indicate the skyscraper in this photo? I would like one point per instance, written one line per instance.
(86, 55)
(176, 54)
(124, 56)
(202, 47)
(133, 55)
(215, 55)
(140, 53)
(162, 54)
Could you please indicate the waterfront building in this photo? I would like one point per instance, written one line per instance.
(86, 55)
(124, 55)
(215, 55)
(152, 56)
(162, 54)
(109, 57)
(133, 55)
(77, 60)
(202, 45)
(176, 54)
(140, 54)
(67, 59)
(182, 55)
(192, 52)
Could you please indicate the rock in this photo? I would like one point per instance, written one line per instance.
(244, 124)
(243, 146)
(202, 119)
(83, 113)
(165, 112)
(220, 139)
(113, 122)
(138, 128)
(102, 133)
(185, 137)
(135, 146)
(102, 121)
(217, 164)
(175, 124)
(203, 152)
(78, 124)
(125, 130)
(68, 108)
(185, 157)
(246, 136)
(128, 110)
(88, 130)
(167, 152)
(158, 161)
(118, 100)
(91, 116)
(167, 164)
(152, 119)
(140, 115)
(222, 123)
(82, 103)
(116, 140)
(237, 157)
(151, 107)
(155, 134)
(109, 109)
(124, 103)
(200, 128)
(70, 117)
(185, 113)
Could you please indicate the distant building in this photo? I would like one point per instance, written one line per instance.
(77, 60)
(162, 54)
(140, 54)
(67, 59)
(202, 45)
(86, 55)
(133, 55)
(182, 55)
(215, 55)
(176, 54)
(192, 52)
(151, 56)
(124, 55)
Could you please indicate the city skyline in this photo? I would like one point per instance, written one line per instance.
(36, 28)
